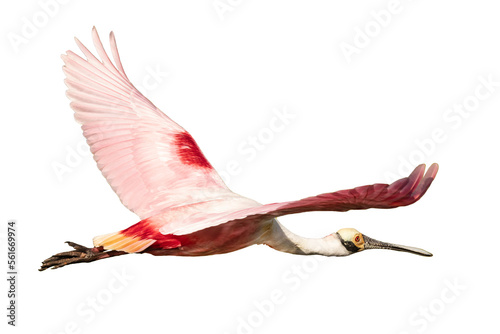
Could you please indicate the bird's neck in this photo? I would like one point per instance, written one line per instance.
(280, 238)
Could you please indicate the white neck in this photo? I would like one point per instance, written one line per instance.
(284, 240)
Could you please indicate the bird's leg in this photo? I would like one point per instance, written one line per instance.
(80, 254)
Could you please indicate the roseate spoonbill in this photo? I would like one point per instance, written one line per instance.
(159, 173)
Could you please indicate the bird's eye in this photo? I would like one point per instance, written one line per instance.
(357, 238)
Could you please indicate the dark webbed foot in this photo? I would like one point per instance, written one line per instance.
(80, 254)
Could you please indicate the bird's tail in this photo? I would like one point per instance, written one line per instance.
(119, 241)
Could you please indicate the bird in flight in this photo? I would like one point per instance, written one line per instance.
(159, 172)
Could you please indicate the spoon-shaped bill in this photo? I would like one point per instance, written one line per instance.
(375, 244)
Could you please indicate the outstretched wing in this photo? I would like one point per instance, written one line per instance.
(402, 192)
(150, 161)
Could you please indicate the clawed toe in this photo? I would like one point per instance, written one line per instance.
(80, 254)
(68, 254)
(77, 246)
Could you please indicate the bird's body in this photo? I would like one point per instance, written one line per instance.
(221, 238)
(185, 209)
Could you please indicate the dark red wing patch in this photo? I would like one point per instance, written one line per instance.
(146, 230)
(189, 152)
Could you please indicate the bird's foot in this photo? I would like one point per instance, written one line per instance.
(80, 254)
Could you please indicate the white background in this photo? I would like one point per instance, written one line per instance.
(354, 123)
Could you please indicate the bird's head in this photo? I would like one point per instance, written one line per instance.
(354, 242)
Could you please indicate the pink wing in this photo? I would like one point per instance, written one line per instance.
(402, 192)
(151, 162)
